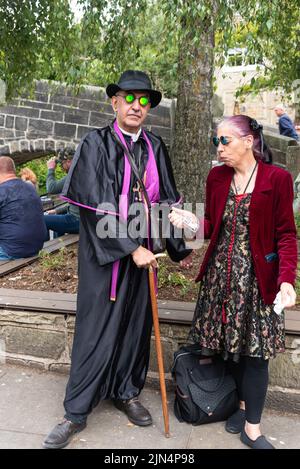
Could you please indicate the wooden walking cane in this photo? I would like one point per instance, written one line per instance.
(158, 348)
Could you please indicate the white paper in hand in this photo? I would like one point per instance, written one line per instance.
(278, 306)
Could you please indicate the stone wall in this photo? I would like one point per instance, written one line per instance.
(286, 152)
(57, 116)
(44, 340)
(260, 106)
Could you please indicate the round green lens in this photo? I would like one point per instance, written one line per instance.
(129, 98)
(144, 100)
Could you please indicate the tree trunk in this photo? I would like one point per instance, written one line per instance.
(190, 151)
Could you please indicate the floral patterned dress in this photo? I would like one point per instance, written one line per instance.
(231, 317)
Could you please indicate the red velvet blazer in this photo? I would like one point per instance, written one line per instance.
(273, 241)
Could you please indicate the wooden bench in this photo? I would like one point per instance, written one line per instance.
(51, 246)
(170, 312)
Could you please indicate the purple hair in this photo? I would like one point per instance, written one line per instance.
(245, 125)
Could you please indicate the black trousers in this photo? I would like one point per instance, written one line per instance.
(251, 376)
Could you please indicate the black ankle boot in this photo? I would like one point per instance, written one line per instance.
(62, 433)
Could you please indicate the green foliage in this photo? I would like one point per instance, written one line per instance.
(39, 39)
(167, 277)
(50, 261)
(39, 167)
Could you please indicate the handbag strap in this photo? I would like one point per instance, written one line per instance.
(130, 157)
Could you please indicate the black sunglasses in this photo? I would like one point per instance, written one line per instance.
(224, 140)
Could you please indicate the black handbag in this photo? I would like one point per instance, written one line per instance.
(205, 391)
(158, 241)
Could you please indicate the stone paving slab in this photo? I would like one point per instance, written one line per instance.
(31, 404)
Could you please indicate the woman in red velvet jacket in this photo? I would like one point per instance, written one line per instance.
(251, 257)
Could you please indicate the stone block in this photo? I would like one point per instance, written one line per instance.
(19, 134)
(50, 145)
(40, 125)
(283, 399)
(33, 342)
(60, 144)
(20, 111)
(63, 368)
(83, 130)
(24, 146)
(89, 105)
(42, 97)
(161, 121)
(6, 133)
(69, 101)
(52, 115)
(168, 352)
(14, 147)
(9, 122)
(279, 156)
(64, 130)
(21, 123)
(41, 320)
(39, 145)
(36, 104)
(4, 150)
(2, 119)
(277, 141)
(284, 370)
(99, 120)
(161, 132)
(77, 117)
(21, 361)
(42, 86)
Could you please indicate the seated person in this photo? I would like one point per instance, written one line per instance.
(286, 126)
(27, 175)
(22, 226)
(62, 219)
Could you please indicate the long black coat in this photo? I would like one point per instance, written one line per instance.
(112, 339)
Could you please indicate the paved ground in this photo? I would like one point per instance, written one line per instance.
(31, 404)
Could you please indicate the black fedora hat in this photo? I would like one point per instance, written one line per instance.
(134, 80)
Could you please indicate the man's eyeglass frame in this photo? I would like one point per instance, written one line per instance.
(130, 98)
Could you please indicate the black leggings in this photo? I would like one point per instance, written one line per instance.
(251, 376)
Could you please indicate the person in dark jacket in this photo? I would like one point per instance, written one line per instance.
(111, 346)
(252, 257)
(65, 218)
(22, 227)
(286, 126)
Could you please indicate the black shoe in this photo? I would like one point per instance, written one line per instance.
(61, 434)
(236, 422)
(260, 443)
(135, 412)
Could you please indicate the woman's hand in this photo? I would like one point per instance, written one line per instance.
(184, 219)
(288, 295)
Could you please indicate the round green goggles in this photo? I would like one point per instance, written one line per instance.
(130, 98)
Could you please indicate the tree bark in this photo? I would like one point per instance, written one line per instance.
(190, 150)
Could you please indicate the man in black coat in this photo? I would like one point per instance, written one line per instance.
(111, 346)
